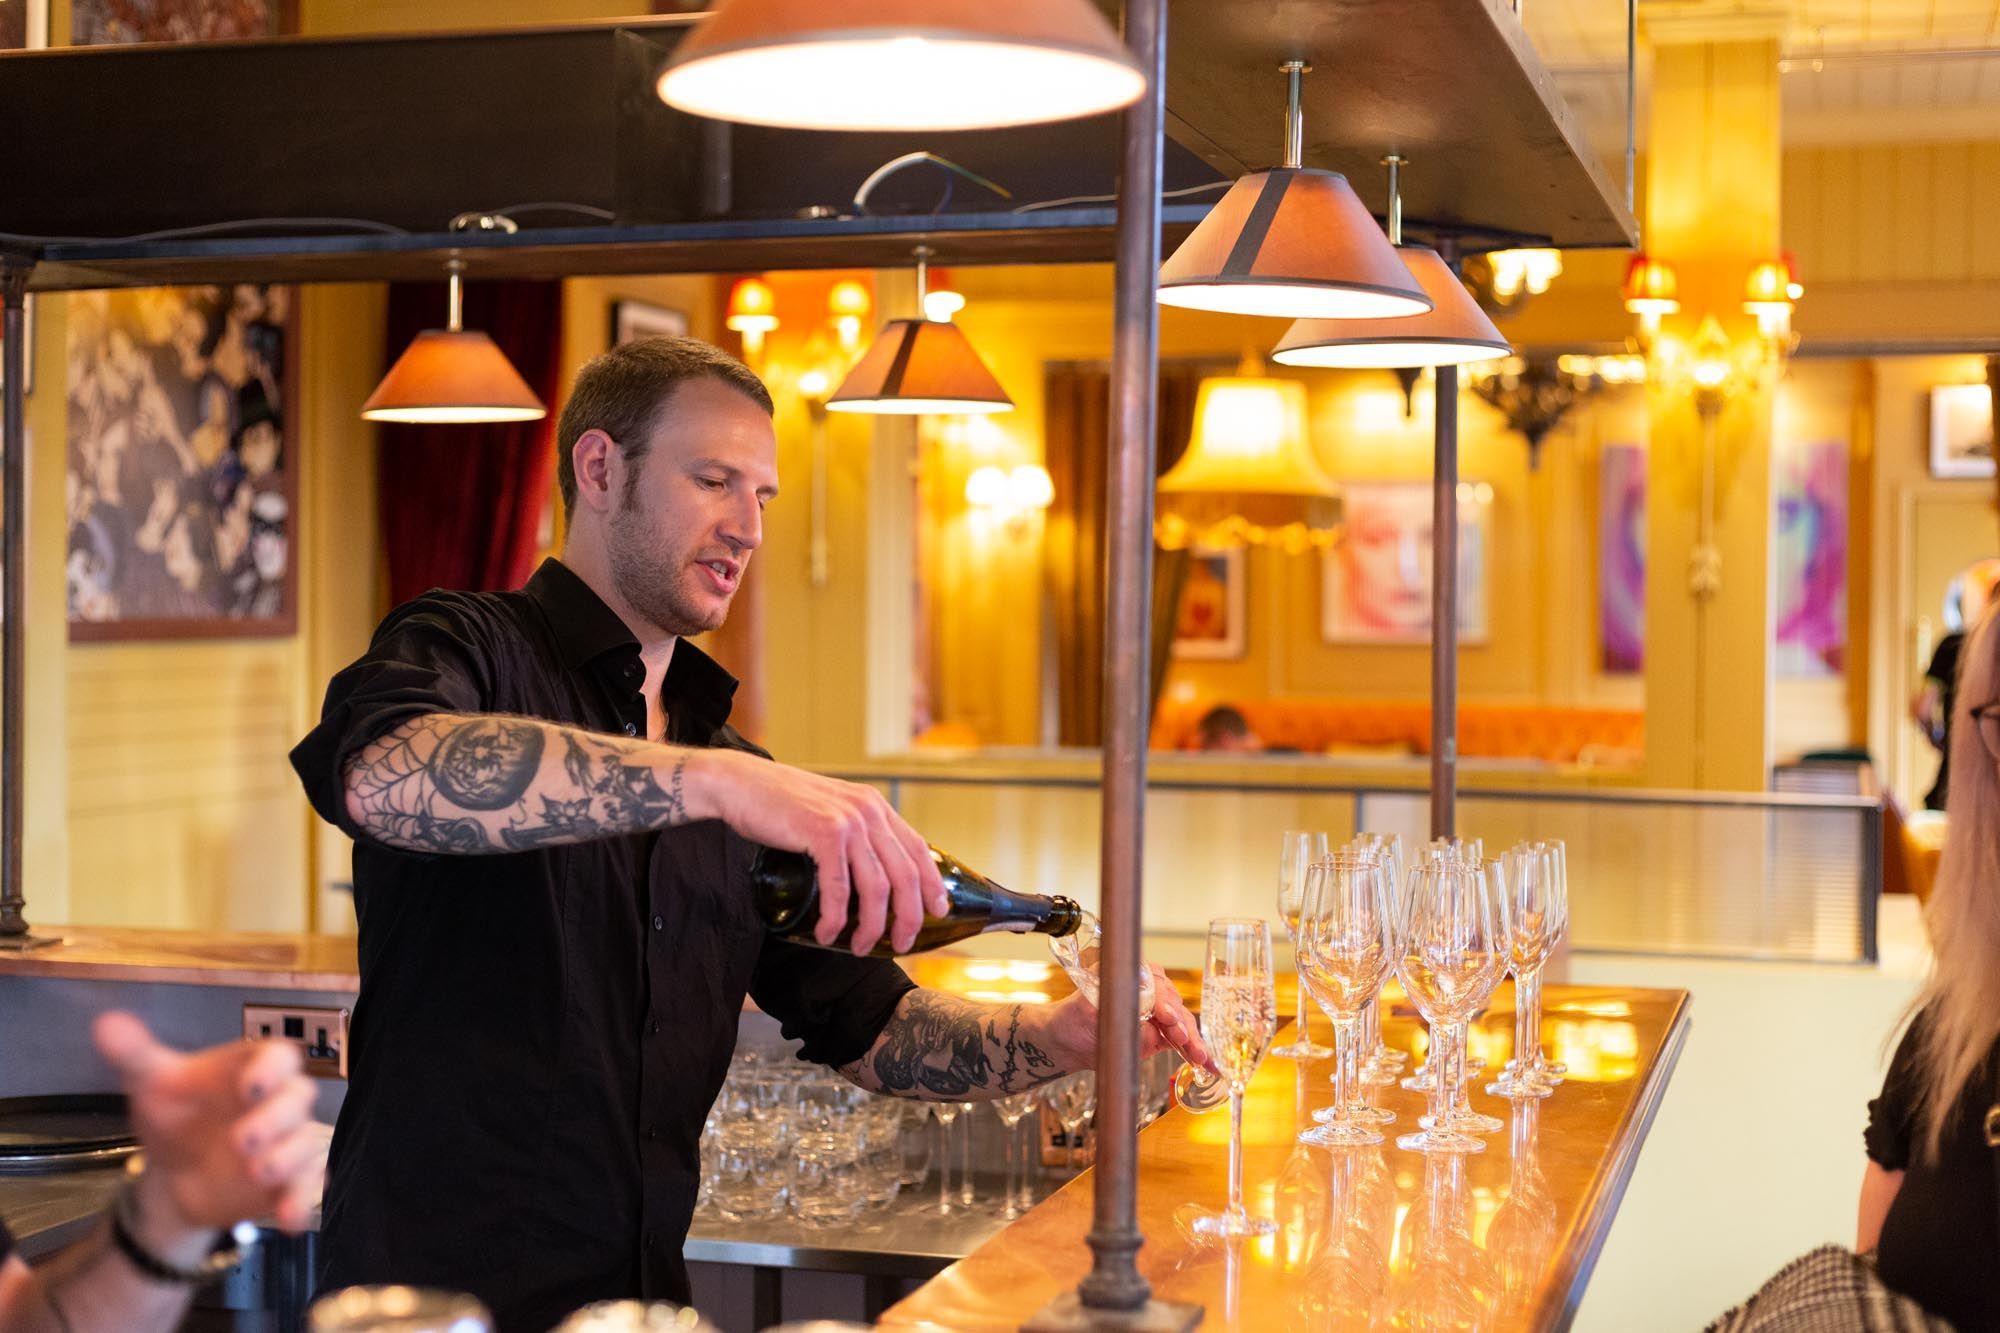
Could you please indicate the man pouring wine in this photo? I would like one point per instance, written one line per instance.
(554, 829)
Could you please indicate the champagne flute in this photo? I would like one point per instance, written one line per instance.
(1239, 1013)
(1012, 1110)
(1454, 951)
(1073, 1098)
(1299, 853)
(1458, 1113)
(1381, 1063)
(943, 1113)
(1346, 946)
(1535, 900)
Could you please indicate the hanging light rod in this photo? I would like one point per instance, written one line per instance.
(1453, 332)
(1291, 242)
(901, 64)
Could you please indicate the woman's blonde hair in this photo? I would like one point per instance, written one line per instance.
(1961, 1000)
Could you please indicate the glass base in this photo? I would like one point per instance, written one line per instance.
(1360, 1115)
(1419, 1081)
(1345, 1135)
(1465, 1122)
(1439, 1141)
(1305, 1052)
(1233, 1224)
(1517, 1089)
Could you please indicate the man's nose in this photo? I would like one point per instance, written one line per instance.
(743, 526)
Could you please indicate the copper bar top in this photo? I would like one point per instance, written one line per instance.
(1370, 1237)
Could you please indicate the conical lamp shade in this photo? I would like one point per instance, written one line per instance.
(901, 64)
(1291, 242)
(920, 366)
(444, 376)
(1249, 439)
(1454, 332)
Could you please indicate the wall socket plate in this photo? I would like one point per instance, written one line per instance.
(321, 1034)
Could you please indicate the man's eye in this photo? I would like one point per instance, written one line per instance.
(712, 483)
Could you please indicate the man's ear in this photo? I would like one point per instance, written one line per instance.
(597, 463)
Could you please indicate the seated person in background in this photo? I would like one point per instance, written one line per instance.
(227, 1134)
(1928, 1206)
(1965, 600)
(1225, 728)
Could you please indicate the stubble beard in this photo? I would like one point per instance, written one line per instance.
(653, 583)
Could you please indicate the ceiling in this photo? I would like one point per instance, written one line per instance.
(1853, 71)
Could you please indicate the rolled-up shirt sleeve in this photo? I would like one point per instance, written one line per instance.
(1891, 1115)
(429, 656)
(836, 1003)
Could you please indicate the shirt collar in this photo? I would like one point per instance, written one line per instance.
(696, 687)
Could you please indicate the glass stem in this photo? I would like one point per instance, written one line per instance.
(965, 1192)
(1236, 1208)
(944, 1166)
(1007, 1208)
(1460, 1101)
(1302, 1036)
(1528, 1022)
(1344, 1032)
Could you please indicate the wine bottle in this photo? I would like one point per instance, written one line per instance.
(785, 888)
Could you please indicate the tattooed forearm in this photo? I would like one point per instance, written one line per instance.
(938, 1047)
(467, 785)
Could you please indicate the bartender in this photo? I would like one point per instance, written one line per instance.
(554, 824)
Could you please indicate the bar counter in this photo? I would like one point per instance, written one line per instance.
(1502, 1239)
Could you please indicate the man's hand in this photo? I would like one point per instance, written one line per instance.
(1171, 1027)
(227, 1133)
(862, 847)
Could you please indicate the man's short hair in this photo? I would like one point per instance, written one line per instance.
(625, 391)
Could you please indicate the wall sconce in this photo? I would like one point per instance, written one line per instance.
(753, 312)
(849, 305)
(1503, 280)
(1651, 290)
(1014, 497)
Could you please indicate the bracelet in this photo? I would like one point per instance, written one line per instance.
(228, 1253)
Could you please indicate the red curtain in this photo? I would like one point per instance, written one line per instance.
(462, 506)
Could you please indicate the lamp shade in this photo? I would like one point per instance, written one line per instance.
(920, 366)
(1291, 242)
(1249, 439)
(445, 376)
(1650, 286)
(901, 64)
(1454, 332)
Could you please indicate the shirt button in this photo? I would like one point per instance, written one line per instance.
(652, 1239)
(631, 728)
(659, 923)
(653, 1028)
(652, 1135)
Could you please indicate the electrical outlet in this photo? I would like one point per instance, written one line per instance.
(321, 1034)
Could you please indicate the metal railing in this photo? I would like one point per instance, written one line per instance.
(1729, 875)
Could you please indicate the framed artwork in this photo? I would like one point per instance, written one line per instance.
(1962, 431)
(641, 319)
(1375, 585)
(181, 463)
(1809, 558)
(24, 25)
(1621, 560)
(121, 22)
(1214, 609)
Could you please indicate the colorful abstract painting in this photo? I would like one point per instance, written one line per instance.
(119, 22)
(1809, 558)
(1621, 559)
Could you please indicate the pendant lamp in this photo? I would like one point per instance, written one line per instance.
(901, 64)
(453, 375)
(920, 366)
(1454, 332)
(1291, 243)
(1249, 476)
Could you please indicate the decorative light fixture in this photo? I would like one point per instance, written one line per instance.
(453, 375)
(1291, 243)
(901, 64)
(1651, 289)
(848, 304)
(1249, 476)
(1453, 332)
(1769, 294)
(918, 366)
(753, 312)
(1518, 273)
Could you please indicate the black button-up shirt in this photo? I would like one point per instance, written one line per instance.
(540, 1034)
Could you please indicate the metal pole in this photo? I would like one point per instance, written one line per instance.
(1631, 103)
(1444, 593)
(1114, 1282)
(13, 601)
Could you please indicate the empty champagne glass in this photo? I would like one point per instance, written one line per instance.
(1346, 946)
(1299, 853)
(1239, 1013)
(944, 1113)
(1012, 1110)
(1073, 1099)
(1454, 950)
(1536, 914)
(1381, 1063)
(966, 1192)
